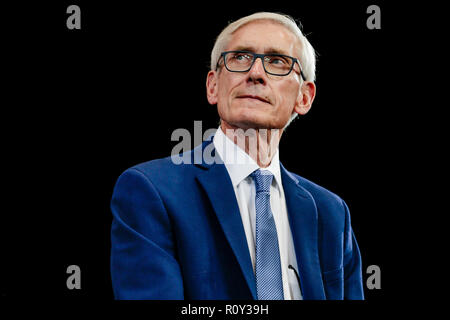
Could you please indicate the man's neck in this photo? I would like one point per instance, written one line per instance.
(259, 144)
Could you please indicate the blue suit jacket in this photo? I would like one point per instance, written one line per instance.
(177, 234)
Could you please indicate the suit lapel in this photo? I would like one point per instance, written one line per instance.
(217, 185)
(303, 221)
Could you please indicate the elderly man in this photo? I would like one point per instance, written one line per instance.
(246, 229)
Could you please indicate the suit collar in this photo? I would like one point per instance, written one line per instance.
(238, 163)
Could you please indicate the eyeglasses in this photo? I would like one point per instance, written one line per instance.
(274, 64)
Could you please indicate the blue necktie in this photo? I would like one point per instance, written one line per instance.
(269, 285)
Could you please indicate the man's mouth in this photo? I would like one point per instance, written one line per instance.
(249, 96)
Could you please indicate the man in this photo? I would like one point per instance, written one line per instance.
(242, 227)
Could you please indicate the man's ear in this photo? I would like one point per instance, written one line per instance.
(211, 87)
(305, 98)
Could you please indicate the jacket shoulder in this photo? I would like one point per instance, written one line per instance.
(332, 210)
(150, 167)
(167, 171)
(185, 164)
(323, 197)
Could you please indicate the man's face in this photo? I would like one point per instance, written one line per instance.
(255, 99)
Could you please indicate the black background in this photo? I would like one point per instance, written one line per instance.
(84, 105)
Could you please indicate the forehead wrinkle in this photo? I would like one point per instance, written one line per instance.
(269, 48)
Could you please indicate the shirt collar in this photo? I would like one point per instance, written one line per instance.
(238, 163)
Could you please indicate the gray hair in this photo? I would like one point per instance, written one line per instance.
(307, 55)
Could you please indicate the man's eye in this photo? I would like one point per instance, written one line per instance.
(241, 57)
(277, 60)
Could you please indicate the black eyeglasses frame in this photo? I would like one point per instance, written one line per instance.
(262, 56)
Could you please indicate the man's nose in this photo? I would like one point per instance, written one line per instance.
(257, 74)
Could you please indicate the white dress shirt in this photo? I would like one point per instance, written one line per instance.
(239, 166)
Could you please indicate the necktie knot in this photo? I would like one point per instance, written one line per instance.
(263, 180)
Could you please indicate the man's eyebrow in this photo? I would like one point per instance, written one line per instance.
(269, 50)
(275, 51)
(244, 48)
